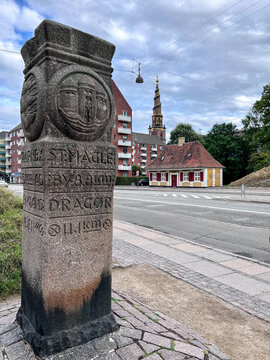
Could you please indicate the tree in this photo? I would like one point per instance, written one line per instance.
(231, 150)
(183, 130)
(136, 168)
(258, 161)
(257, 122)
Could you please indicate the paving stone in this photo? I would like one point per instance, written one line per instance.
(106, 343)
(131, 333)
(243, 283)
(134, 321)
(17, 350)
(215, 256)
(190, 248)
(156, 326)
(154, 357)
(81, 352)
(121, 340)
(157, 340)
(265, 297)
(171, 355)
(170, 335)
(130, 352)
(10, 337)
(146, 328)
(208, 268)
(6, 328)
(5, 320)
(255, 269)
(148, 348)
(264, 276)
(236, 263)
(216, 352)
(189, 350)
(110, 356)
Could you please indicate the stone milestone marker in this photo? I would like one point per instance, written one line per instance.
(68, 168)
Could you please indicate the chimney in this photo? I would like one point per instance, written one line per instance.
(181, 141)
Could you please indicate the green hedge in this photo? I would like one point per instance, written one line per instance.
(128, 180)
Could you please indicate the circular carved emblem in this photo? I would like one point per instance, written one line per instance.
(83, 103)
(31, 112)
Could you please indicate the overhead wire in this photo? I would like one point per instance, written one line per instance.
(205, 32)
(192, 31)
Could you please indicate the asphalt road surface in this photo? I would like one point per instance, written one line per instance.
(205, 216)
(212, 218)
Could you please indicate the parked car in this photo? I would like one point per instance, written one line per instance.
(3, 183)
(142, 182)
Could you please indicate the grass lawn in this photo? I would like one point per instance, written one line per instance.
(11, 216)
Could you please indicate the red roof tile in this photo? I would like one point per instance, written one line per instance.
(189, 155)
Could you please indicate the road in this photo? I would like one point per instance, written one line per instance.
(205, 216)
(211, 218)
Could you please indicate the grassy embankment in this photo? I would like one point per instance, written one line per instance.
(10, 242)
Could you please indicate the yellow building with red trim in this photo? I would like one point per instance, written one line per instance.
(185, 165)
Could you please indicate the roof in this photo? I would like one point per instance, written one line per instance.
(146, 139)
(189, 155)
(19, 126)
(120, 101)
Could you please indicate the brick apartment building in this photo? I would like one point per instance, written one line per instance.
(14, 140)
(2, 155)
(122, 133)
(146, 147)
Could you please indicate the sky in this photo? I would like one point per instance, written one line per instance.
(212, 57)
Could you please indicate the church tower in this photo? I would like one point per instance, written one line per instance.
(157, 127)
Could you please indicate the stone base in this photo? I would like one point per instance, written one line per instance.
(47, 345)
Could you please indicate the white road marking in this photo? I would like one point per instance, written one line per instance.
(154, 205)
(185, 196)
(165, 195)
(174, 195)
(195, 196)
(195, 205)
(207, 197)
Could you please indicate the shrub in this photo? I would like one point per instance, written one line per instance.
(128, 180)
(10, 242)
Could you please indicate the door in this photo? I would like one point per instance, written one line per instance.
(174, 180)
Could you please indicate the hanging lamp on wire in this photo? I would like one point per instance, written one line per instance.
(139, 79)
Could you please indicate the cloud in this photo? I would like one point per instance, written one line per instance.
(208, 72)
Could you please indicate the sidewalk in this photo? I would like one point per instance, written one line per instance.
(242, 282)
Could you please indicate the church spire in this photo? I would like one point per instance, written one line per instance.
(157, 127)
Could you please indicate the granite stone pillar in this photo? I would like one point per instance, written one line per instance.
(68, 171)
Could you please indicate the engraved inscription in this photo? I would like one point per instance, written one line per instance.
(80, 204)
(79, 180)
(75, 227)
(32, 225)
(33, 202)
(82, 157)
(32, 155)
(34, 178)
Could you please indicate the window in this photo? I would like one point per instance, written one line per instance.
(197, 176)
(125, 162)
(138, 151)
(125, 125)
(125, 113)
(125, 150)
(185, 176)
(154, 176)
(161, 147)
(125, 138)
(139, 164)
(138, 145)
(139, 157)
(163, 176)
(114, 125)
(114, 137)
(151, 146)
(125, 173)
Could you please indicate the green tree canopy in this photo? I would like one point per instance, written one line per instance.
(135, 168)
(183, 130)
(257, 122)
(229, 149)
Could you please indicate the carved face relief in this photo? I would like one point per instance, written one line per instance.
(84, 105)
(32, 120)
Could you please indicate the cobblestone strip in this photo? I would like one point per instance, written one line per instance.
(135, 255)
(143, 333)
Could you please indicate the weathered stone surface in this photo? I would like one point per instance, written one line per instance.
(68, 172)
(148, 348)
(189, 350)
(130, 352)
(172, 355)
